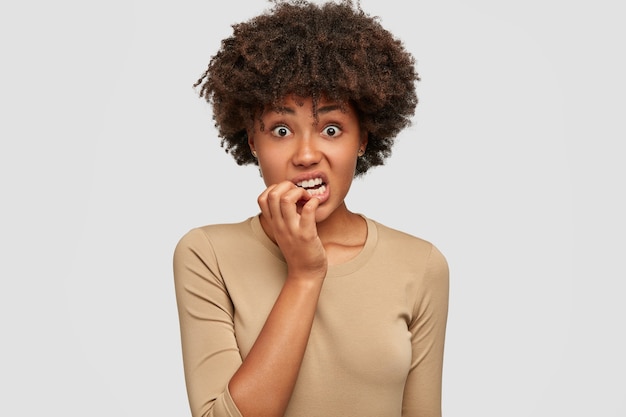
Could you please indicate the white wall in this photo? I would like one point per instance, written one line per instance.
(513, 168)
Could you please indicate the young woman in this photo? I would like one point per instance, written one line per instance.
(308, 309)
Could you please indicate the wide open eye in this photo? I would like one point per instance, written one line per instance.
(281, 131)
(331, 131)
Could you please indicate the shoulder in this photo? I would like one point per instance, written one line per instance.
(210, 238)
(213, 232)
(399, 239)
(410, 249)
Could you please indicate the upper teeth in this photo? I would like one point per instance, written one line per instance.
(309, 183)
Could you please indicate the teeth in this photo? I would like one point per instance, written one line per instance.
(309, 183)
(317, 191)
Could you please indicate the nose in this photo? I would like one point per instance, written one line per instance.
(306, 152)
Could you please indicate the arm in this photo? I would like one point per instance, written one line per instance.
(206, 315)
(422, 394)
(218, 383)
(263, 385)
(210, 351)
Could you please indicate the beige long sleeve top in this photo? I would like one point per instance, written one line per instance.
(377, 341)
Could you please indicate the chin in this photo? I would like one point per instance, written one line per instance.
(322, 214)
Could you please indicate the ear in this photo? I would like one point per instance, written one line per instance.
(364, 138)
(250, 135)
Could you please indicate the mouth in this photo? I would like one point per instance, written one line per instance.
(313, 186)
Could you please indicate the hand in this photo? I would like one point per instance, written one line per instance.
(289, 211)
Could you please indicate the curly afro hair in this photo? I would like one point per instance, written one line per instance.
(334, 50)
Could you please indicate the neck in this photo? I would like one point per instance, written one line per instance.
(343, 235)
(342, 225)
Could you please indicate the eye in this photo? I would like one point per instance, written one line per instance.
(281, 131)
(332, 131)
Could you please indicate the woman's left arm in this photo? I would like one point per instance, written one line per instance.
(422, 393)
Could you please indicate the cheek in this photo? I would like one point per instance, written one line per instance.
(268, 169)
(349, 163)
(345, 171)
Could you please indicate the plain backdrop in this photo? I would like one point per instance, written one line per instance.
(514, 168)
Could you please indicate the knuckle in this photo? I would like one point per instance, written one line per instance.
(273, 195)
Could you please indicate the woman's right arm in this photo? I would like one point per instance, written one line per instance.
(262, 384)
(206, 315)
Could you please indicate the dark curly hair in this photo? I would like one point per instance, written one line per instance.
(333, 50)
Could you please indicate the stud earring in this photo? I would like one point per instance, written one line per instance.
(253, 152)
(361, 152)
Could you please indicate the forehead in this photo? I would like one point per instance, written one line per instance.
(292, 104)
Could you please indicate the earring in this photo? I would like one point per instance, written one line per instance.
(253, 152)
(361, 152)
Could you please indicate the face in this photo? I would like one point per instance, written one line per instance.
(319, 155)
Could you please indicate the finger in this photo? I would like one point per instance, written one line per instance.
(274, 197)
(263, 202)
(290, 202)
(307, 215)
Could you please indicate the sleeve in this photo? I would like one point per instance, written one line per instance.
(206, 316)
(422, 393)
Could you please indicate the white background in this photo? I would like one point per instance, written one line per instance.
(513, 168)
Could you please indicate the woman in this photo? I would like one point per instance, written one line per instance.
(308, 309)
